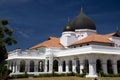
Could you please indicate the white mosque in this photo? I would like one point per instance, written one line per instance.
(79, 48)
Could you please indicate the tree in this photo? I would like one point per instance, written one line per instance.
(5, 39)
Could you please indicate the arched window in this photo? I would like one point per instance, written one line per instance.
(109, 67)
(70, 65)
(86, 66)
(22, 66)
(41, 66)
(77, 66)
(47, 65)
(98, 66)
(64, 66)
(55, 65)
(31, 66)
(118, 66)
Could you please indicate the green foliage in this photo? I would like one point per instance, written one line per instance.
(4, 72)
(71, 74)
(80, 75)
(4, 22)
(84, 71)
(25, 75)
(102, 74)
(5, 38)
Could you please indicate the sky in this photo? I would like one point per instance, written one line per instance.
(33, 21)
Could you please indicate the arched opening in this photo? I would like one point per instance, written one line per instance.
(118, 66)
(86, 66)
(64, 66)
(98, 66)
(70, 65)
(31, 66)
(55, 65)
(22, 66)
(109, 67)
(47, 65)
(40, 66)
(77, 66)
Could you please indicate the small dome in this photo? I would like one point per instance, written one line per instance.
(83, 22)
(68, 27)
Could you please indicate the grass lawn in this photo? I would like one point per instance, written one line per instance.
(69, 78)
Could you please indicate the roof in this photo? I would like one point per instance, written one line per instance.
(83, 22)
(52, 42)
(117, 34)
(94, 38)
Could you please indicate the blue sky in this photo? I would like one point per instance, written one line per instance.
(34, 20)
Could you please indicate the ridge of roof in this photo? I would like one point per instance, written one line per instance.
(51, 42)
(113, 34)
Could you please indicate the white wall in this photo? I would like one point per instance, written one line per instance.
(116, 41)
(68, 38)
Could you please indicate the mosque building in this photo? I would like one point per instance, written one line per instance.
(79, 48)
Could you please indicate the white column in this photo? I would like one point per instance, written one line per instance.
(60, 66)
(114, 65)
(74, 65)
(104, 66)
(27, 65)
(18, 66)
(50, 64)
(67, 66)
(92, 68)
(9, 65)
(45, 69)
(13, 66)
(81, 66)
(35, 65)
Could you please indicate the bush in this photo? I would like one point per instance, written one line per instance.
(4, 72)
(45, 75)
(80, 75)
(25, 75)
(55, 75)
(70, 74)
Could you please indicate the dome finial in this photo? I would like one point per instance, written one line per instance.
(81, 9)
(117, 30)
(68, 20)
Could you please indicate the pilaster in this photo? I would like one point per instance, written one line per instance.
(104, 66)
(67, 68)
(45, 70)
(60, 66)
(74, 65)
(81, 66)
(35, 65)
(17, 66)
(27, 65)
(92, 68)
(115, 66)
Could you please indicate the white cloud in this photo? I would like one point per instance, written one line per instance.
(23, 34)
